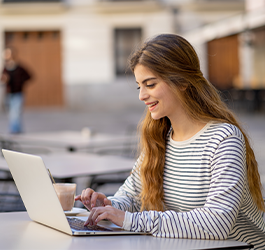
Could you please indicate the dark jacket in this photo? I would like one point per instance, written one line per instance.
(17, 79)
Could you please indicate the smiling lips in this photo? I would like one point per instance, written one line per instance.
(152, 105)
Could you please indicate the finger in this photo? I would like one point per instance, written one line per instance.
(86, 196)
(83, 195)
(94, 213)
(78, 198)
(94, 198)
(87, 222)
(103, 216)
(104, 213)
(89, 219)
(97, 212)
(107, 202)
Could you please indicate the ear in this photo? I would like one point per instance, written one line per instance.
(183, 87)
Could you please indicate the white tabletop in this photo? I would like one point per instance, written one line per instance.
(70, 139)
(19, 232)
(68, 165)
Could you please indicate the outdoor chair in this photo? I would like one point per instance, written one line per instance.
(10, 199)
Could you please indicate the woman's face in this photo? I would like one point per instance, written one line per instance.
(156, 94)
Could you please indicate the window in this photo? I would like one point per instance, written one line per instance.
(125, 41)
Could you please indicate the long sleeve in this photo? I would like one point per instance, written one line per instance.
(205, 191)
(216, 218)
(127, 197)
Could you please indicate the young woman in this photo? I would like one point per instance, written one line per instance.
(196, 176)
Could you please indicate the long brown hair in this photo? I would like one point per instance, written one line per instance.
(174, 60)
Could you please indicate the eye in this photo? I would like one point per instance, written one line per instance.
(150, 85)
(138, 87)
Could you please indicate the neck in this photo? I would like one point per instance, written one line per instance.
(184, 128)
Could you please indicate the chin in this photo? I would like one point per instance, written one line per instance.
(156, 117)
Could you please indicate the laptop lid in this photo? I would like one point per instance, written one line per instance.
(38, 194)
(36, 190)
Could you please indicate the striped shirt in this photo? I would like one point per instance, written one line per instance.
(205, 191)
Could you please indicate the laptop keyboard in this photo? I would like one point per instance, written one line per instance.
(78, 224)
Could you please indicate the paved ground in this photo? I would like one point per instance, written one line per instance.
(59, 119)
(121, 122)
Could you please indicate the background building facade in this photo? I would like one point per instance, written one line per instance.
(77, 50)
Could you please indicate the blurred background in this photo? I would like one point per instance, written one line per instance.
(77, 51)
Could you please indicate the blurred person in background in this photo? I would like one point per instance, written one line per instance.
(14, 76)
(196, 176)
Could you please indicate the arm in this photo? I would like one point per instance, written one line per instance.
(127, 197)
(114, 207)
(216, 218)
(25, 75)
(4, 77)
(124, 199)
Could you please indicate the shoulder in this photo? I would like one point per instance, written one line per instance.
(20, 67)
(23, 71)
(225, 132)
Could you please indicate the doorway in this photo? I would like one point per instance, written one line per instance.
(40, 53)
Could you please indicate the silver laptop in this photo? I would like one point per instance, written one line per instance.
(40, 199)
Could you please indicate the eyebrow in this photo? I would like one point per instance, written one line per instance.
(147, 79)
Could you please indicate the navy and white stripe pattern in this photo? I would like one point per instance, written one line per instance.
(205, 191)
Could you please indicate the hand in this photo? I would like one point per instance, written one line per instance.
(108, 212)
(4, 78)
(91, 199)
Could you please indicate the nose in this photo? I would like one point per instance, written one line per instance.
(143, 95)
